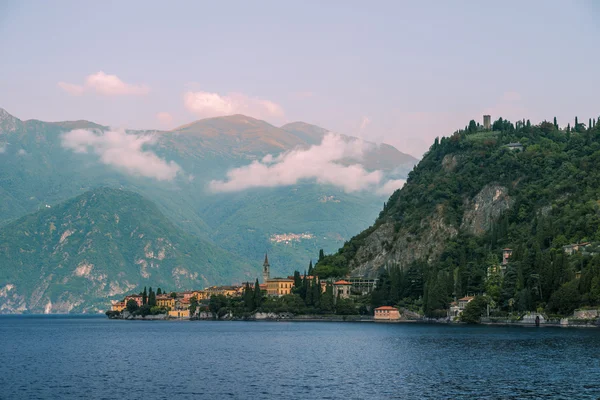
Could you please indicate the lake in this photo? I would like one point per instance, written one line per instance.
(68, 357)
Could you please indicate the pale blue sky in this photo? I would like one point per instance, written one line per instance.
(399, 72)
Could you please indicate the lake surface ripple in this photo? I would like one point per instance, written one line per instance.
(66, 357)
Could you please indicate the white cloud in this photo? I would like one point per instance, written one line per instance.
(72, 89)
(164, 118)
(21, 152)
(391, 186)
(364, 122)
(319, 163)
(124, 151)
(2, 148)
(206, 104)
(104, 84)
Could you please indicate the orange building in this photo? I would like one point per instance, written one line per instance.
(387, 313)
(136, 297)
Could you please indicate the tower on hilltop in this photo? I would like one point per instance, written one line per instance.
(487, 122)
(266, 269)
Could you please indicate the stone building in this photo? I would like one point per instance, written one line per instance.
(341, 289)
(487, 122)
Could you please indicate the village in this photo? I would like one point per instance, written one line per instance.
(188, 304)
(193, 304)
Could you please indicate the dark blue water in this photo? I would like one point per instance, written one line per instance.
(94, 358)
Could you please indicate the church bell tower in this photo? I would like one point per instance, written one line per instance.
(266, 269)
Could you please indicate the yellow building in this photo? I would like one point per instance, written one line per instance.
(279, 286)
(201, 295)
(166, 301)
(179, 313)
(387, 313)
(118, 306)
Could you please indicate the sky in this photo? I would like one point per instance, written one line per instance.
(397, 72)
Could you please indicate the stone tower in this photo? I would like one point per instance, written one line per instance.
(487, 122)
(266, 269)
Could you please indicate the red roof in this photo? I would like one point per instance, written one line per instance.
(386, 308)
(466, 298)
(342, 282)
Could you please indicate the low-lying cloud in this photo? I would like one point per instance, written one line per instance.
(126, 152)
(104, 84)
(206, 105)
(319, 163)
(391, 186)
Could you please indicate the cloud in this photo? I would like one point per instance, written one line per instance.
(391, 186)
(104, 84)
(164, 118)
(364, 122)
(2, 148)
(319, 163)
(21, 152)
(206, 104)
(73, 90)
(124, 151)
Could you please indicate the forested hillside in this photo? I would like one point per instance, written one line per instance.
(534, 189)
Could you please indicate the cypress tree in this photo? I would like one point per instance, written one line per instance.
(257, 294)
(151, 298)
(297, 281)
(248, 297)
(158, 291)
(144, 296)
(321, 255)
(555, 123)
(316, 292)
(590, 124)
(310, 268)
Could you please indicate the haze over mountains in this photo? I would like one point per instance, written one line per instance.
(202, 177)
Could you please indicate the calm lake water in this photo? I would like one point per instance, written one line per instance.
(94, 358)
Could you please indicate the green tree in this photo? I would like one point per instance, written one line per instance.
(474, 310)
(193, 305)
(131, 305)
(310, 268)
(327, 299)
(258, 296)
(248, 297)
(151, 297)
(321, 255)
(158, 292)
(565, 299)
(144, 297)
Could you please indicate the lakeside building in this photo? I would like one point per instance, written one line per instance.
(118, 306)
(165, 300)
(457, 307)
(387, 313)
(279, 286)
(181, 309)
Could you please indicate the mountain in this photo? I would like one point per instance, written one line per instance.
(75, 256)
(37, 170)
(533, 189)
(380, 157)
